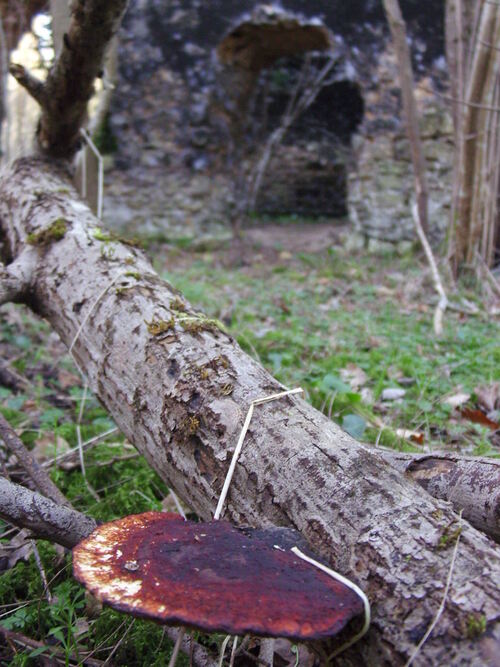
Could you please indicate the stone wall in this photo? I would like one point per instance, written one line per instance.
(381, 183)
(163, 114)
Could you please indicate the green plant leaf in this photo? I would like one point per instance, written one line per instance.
(354, 425)
(332, 382)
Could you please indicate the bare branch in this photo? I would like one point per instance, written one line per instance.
(57, 655)
(436, 278)
(307, 88)
(15, 278)
(406, 82)
(471, 483)
(29, 464)
(70, 83)
(31, 83)
(43, 517)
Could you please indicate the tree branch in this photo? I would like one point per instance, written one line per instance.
(472, 484)
(407, 85)
(43, 517)
(70, 83)
(164, 380)
(32, 84)
(29, 464)
(15, 278)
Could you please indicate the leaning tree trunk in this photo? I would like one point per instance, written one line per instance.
(406, 81)
(178, 387)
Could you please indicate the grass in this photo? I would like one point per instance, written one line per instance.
(344, 327)
(310, 325)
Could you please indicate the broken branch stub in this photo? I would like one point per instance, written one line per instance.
(212, 576)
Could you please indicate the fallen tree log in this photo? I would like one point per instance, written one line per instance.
(470, 483)
(178, 387)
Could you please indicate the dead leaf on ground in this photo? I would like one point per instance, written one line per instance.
(67, 380)
(488, 396)
(456, 400)
(18, 548)
(367, 396)
(293, 654)
(416, 437)
(373, 342)
(478, 417)
(354, 376)
(382, 290)
(48, 446)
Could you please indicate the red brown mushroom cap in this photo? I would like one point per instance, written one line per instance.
(211, 576)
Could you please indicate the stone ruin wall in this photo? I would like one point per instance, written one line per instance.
(381, 183)
(167, 52)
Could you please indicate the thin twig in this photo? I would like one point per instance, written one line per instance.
(177, 503)
(201, 657)
(34, 86)
(30, 465)
(57, 656)
(119, 643)
(489, 276)
(223, 650)
(443, 299)
(233, 652)
(177, 647)
(90, 489)
(89, 443)
(43, 576)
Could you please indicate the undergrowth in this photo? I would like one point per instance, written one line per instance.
(343, 327)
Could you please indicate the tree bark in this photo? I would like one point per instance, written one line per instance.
(178, 387)
(473, 35)
(69, 86)
(407, 84)
(43, 517)
(471, 484)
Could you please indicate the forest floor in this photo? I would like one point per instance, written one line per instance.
(353, 328)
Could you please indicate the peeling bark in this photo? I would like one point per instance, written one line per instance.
(178, 387)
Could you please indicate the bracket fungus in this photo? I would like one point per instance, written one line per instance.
(212, 576)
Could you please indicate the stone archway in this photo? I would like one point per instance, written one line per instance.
(259, 64)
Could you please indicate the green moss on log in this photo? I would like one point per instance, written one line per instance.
(51, 234)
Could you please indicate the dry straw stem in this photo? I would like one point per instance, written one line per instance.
(239, 445)
(436, 278)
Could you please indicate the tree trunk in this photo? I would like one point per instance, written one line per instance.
(178, 387)
(407, 84)
(473, 36)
